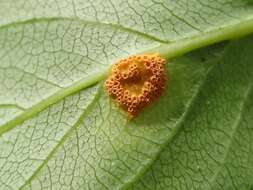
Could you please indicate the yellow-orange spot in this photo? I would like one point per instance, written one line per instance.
(137, 81)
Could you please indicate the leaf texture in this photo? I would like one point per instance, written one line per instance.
(60, 130)
(214, 148)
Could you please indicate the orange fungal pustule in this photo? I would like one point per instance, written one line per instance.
(137, 81)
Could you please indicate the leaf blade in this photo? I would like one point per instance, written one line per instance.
(205, 143)
(102, 153)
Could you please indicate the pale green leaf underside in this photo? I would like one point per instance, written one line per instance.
(60, 130)
(214, 149)
(165, 20)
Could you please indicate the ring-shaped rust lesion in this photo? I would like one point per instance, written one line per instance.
(137, 81)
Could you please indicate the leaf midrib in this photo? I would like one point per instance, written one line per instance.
(30, 112)
(230, 32)
(167, 50)
(186, 45)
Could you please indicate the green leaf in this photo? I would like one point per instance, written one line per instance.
(214, 149)
(60, 130)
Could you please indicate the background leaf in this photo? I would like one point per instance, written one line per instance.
(214, 148)
(60, 130)
(166, 20)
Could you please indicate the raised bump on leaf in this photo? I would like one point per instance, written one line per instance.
(137, 81)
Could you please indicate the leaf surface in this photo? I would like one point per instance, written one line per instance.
(60, 130)
(214, 148)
